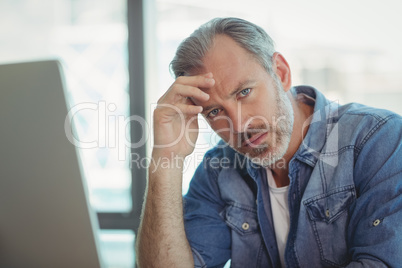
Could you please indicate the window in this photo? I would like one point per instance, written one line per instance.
(91, 43)
(90, 39)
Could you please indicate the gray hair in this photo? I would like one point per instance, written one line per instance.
(254, 39)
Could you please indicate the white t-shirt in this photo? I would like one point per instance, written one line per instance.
(280, 213)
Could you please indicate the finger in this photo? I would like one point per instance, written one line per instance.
(190, 92)
(190, 109)
(188, 87)
(181, 109)
(199, 81)
(179, 93)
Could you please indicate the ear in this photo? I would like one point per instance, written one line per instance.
(281, 67)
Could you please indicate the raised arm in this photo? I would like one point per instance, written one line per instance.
(161, 239)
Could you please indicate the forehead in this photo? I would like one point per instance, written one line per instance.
(230, 64)
(225, 54)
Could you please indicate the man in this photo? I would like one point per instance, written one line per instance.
(297, 181)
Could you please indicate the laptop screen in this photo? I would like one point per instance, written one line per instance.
(45, 217)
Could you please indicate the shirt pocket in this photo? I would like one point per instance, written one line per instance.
(241, 219)
(329, 217)
(247, 245)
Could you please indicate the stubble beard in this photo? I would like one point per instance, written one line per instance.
(277, 141)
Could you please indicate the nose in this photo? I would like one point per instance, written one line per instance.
(238, 120)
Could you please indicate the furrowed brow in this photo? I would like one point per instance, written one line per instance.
(241, 86)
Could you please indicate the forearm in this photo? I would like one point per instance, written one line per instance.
(161, 240)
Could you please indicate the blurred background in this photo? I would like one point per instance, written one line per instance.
(116, 55)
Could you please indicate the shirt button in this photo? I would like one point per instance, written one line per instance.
(376, 222)
(245, 226)
(327, 213)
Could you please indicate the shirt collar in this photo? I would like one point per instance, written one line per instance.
(324, 116)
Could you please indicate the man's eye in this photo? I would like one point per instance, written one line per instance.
(245, 92)
(213, 113)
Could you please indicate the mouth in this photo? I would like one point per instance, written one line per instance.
(255, 140)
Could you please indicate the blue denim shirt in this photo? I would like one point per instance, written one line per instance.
(345, 197)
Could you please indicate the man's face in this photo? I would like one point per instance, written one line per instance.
(247, 107)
